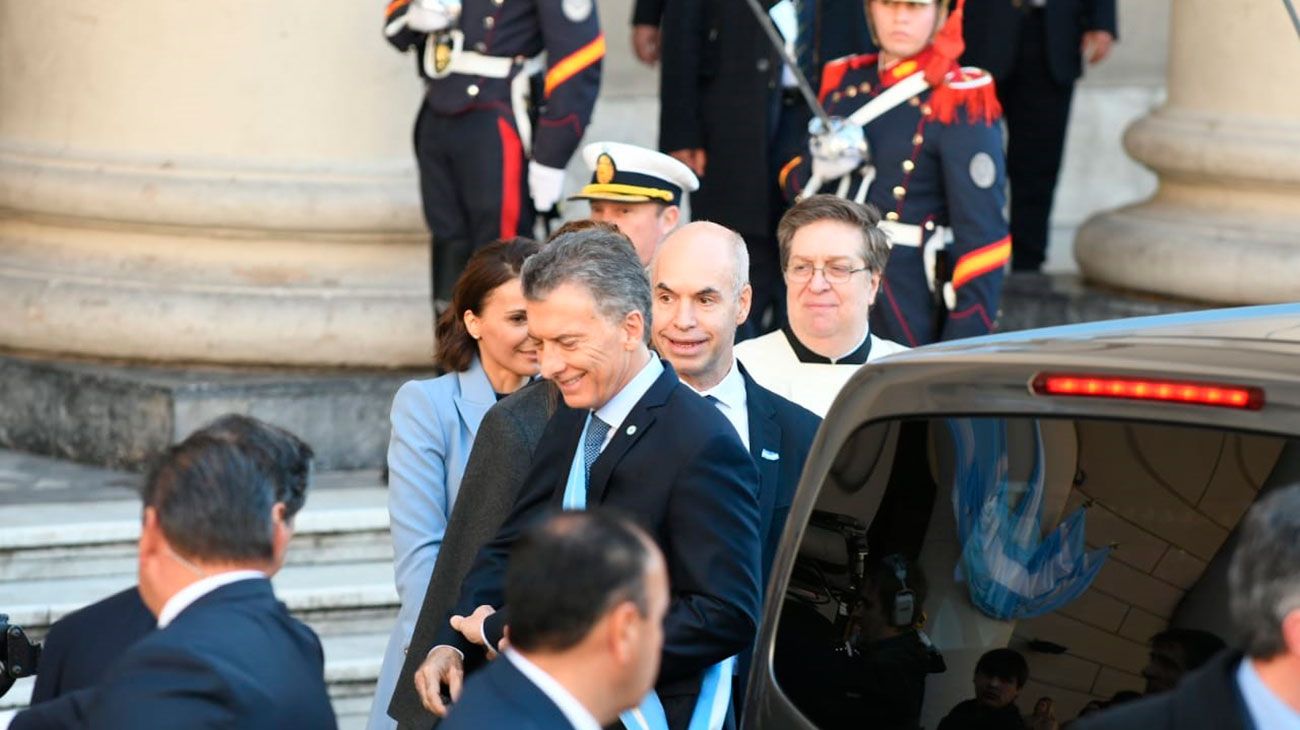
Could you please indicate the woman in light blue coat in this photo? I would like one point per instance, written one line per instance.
(483, 346)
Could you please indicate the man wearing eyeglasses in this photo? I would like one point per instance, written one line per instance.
(834, 256)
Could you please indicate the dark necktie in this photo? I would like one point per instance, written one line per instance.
(803, 42)
(596, 431)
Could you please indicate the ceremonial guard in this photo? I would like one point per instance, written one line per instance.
(510, 85)
(919, 137)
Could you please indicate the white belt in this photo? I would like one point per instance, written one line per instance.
(906, 234)
(473, 63)
(930, 242)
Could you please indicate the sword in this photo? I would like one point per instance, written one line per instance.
(830, 136)
(1295, 19)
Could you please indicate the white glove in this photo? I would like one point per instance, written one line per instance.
(431, 16)
(545, 184)
(838, 151)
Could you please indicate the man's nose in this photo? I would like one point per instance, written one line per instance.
(684, 315)
(818, 282)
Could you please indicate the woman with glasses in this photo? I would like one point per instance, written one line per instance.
(833, 255)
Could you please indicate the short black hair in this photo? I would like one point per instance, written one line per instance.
(1004, 664)
(214, 491)
(1197, 646)
(288, 456)
(567, 572)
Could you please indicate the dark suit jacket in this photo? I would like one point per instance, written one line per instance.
(78, 649)
(501, 696)
(1206, 699)
(777, 427)
(992, 32)
(676, 467)
(493, 476)
(717, 85)
(233, 658)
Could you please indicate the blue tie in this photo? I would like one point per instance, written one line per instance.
(596, 431)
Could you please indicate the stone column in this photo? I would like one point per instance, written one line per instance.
(223, 182)
(1224, 225)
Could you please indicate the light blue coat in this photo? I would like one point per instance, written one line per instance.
(434, 423)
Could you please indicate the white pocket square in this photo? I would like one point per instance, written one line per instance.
(771, 455)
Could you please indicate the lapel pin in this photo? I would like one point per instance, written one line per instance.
(631, 430)
(771, 455)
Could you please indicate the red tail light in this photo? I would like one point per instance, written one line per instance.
(1220, 395)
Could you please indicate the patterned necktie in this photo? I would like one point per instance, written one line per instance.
(596, 431)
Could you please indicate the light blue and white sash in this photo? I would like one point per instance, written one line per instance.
(715, 691)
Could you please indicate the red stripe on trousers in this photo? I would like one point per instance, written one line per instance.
(512, 155)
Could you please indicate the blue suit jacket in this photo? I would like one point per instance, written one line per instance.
(434, 424)
(77, 650)
(233, 658)
(676, 467)
(783, 429)
(500, 696)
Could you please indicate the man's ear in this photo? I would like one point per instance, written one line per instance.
(281, 533)
(669, 218)
(152, 540)
(624, 624)
(746, 299)
(874, 287)
(634, 327)
(1291, 632)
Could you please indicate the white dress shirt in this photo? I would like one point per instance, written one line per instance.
(198, 589)
(578, 716)
(731, 400)
(617, 408)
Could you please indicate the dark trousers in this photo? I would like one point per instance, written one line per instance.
(473, 184)
(1037, 110)
(788, 121)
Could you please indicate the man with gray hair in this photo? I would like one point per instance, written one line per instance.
(630, 436)
(1259, 686)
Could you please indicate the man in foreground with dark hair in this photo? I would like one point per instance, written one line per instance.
(226, 653)
(1258, 687)
(77, 651)
(589, 593)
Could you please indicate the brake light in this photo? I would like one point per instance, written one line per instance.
(1220, 395)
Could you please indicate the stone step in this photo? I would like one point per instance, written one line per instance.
(332, 598)
(96, 539)
(351, 667)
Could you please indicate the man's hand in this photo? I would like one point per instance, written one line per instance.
(1097, 44)
(430, 16)
(442, 667)
(471, 626)
(694, 158)
(645, 43)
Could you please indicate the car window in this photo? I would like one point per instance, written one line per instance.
(1071, 542)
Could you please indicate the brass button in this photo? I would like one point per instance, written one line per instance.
(908, 165)
(917, 139)
(899, 192)
(925, 110)
(929, 225)
(851, 92)
(498, 2)
(914, 101)
(865, 87)
(472, 90)
(835, 97)
(891, 216)
(481, 47)
(489, 22)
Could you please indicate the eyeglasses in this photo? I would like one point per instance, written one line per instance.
(834, 273)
